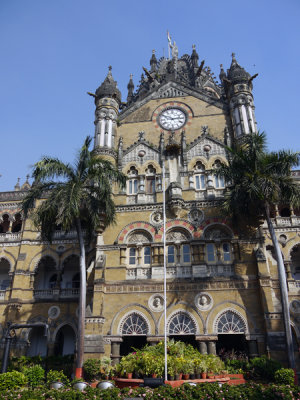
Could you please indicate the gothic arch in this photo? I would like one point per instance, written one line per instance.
(179, 225)
(215, 158)
(211, 230)
(131, 164)
(33, 265)
(134, 322)
(154, 164)
(194, 161)
(186, 305)
(10, 268)
(138, 226)
(61, 325)
(132, 307)
(210, 327)
(230, 321)
(181, 322)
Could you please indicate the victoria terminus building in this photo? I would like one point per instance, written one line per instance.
(222, 286)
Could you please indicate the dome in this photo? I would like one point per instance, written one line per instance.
(108, 88)
(236, 72)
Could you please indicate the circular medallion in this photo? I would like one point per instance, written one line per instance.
(295, 306)
(156, 302)
(172, 119)
(53, 312)
(203, 301)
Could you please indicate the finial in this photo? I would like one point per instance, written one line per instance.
(17, 185)
(193, 46)
(131, 76)
(153, 51)
(233, 57)
(109, 67)
(27, 177)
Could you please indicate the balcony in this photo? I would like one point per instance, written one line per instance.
(44, 294)
(293, 221)
(180, 272)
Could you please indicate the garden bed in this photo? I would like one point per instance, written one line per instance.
(135, 383)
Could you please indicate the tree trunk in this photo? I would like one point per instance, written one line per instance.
(82, 302)
(283, 289)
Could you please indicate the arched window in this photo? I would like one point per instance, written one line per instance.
(5, 223)
(199, 176)
(17, 224)
(218, 180)
(134, 324)
(4, 271)
(52, 281)
(150, 180)
(230, 322)
(295, 259)
(132, 182)
(226, 252)
(181, 323)
(44, 271)
(76, 281)
(70, 270)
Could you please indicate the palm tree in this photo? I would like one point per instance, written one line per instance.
(73, 195)
(256, 180)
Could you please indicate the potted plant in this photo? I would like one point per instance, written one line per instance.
(186, 369)
(177, 368)
(203, 368)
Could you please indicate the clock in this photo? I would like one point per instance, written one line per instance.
(172, 119)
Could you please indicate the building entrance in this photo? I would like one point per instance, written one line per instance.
(132, 342)
(230, 343)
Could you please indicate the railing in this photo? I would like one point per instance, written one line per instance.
(294, 286)
(50, 293)
(284, 221)
(9, 236)
(183, 271)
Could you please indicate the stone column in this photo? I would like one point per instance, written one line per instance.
(123, 256)
(287, 265)
(153, 340)
(115, 350)
(212, 347)
(202, 347)
(252, 347)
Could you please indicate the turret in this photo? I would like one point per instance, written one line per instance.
(238, 87)
(130, 88)
(153, 62)
(194, 57)
(107, 100)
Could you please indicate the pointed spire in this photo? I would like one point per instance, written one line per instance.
(130, 88)
(17, 185)
(194, 57)
(222, 73)
(236, 73)
(153, 62)
(109, 87)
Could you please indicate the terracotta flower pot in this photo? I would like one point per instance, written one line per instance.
(186, 376)
(203, 375)
(129, 375)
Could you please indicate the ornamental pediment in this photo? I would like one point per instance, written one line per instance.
(140, 151)
(205, 146)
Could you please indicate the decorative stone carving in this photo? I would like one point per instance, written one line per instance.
(53, 312)
(196, 216)
(156, 217)
(217, 232)
(295, 306)
(138, 238)
(156, 302)
(203, 301)
(176, 236)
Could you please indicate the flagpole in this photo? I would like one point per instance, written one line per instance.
(165, 272)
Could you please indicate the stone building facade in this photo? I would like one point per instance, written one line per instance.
(222, 287)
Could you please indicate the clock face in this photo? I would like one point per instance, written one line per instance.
(172, 119)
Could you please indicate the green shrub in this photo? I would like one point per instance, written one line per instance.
(12, 380)
(91, 369)
(35, 375)
(264, 368)
(284, 376)
(57, 376)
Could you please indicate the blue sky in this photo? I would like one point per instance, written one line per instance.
(53, 52)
